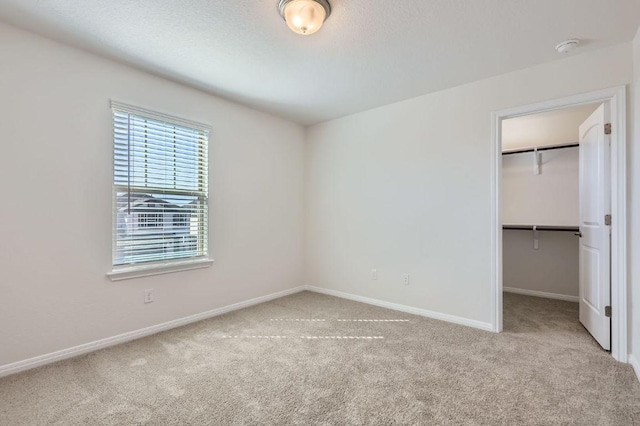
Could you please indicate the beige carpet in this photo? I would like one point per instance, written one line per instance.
(543, 370)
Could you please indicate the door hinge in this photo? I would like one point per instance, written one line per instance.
(607, 311)
(607, 219)
(607, 129)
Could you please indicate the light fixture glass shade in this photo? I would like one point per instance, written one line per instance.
(304, 16)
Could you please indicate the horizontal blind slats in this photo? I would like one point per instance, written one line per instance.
(160, 190)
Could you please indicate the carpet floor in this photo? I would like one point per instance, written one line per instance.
(311, 359)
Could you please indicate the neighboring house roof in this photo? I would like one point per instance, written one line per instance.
(140, 202)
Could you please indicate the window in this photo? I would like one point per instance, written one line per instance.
(160, 193)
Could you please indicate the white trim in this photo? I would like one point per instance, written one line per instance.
(158, 269)
(496, 224)
(544, 294)
(616, 96)
(403, 308)
(619, 225)
(635, 364)
(38, 361)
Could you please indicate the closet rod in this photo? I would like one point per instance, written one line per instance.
(543, 228)
(543, 148)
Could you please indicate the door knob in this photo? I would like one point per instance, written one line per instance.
(579, 234)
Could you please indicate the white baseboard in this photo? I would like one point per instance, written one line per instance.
(544, 294)
(403, 308)
(635, 364)
(38, 361)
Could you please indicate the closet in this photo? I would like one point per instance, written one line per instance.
(540, 220)
(540, 210)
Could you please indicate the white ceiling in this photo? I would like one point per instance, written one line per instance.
(556, 127)
(369, 53)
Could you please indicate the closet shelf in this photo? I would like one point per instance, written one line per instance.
(543, 228)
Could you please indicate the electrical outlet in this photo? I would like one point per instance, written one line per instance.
(148, 295)
(374, 274)
(405, 279)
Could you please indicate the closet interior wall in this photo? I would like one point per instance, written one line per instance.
(545, 262)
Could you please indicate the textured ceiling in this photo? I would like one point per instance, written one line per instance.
(369, 53)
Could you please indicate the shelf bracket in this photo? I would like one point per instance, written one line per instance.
(537, 162)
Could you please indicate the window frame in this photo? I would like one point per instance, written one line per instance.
(163, 266)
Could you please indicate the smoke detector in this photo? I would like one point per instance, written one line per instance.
(567, 46)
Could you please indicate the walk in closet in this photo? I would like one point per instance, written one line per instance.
(540, 211)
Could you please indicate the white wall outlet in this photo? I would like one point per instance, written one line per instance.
(148, 295)
(374, 274)
(405, 279)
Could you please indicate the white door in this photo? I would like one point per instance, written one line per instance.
(595, 261)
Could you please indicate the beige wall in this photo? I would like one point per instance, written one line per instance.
(56, 165)
(550, 198)
(548, 128)
(552, 268)
(406, 188)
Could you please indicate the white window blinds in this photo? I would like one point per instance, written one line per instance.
(160, 194)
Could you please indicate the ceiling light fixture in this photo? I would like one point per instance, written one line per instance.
(304, 16)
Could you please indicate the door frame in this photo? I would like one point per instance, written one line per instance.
(616, 96)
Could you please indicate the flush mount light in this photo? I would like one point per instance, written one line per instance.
(567, 46)
(304, 16)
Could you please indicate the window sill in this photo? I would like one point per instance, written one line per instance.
(127, 273)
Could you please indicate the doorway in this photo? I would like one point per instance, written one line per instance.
(615, 100)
